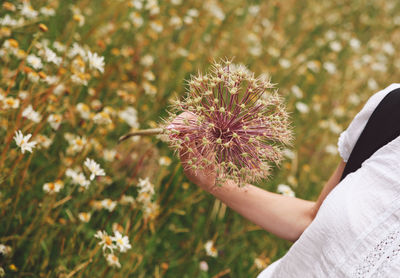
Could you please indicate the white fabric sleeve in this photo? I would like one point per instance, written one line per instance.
(349, 137)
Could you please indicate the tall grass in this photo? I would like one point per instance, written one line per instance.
(327, 57)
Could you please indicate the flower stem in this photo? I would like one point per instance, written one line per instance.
(151, 131)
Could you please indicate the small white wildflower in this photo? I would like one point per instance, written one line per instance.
(203, 265)
(78, 178)
(145, 186)
(22, 141)
(31, 114)
(147, 60)
(51, 56)
(150, 210)
(260, 263)
(33, 77)
(47, 11)
(34, 61)
(335, 46)
(113, 260)
(59, 46)
(52, 80)
(129, 115)
(5, 250)
(27, 10)
(109, 155)
(284, 63)
(302, 107)
(78, 143)
(331, 149)
(84, 216)
(108, 204)
(137, 4)
(121, 241)
(53, 187)
(95, 61)
(297, 92)
(289, 153)
(105, 241)
(285, 190)
(11, 102)
(43, 141)
(388, 48)
(76, 50)
(102, 118)
(156, 26)
(210, 249)
(149, 75)
(330, 67)
(164, 161)
(94, 168)
(355, 43)
(136, 19)
(127, 200)
(59, 89)
(55, 121)
(84, 110)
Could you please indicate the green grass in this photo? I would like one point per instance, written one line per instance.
(283, 39)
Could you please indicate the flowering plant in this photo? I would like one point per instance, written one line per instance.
(232, 121)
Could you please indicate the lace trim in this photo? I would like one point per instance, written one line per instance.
(376, 262)
(342, 148)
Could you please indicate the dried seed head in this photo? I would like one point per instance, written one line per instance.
(235, 122)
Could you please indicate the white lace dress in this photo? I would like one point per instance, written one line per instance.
(356, 232)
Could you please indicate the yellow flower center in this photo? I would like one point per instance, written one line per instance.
(108, 240)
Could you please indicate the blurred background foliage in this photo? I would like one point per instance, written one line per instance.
(327, 58)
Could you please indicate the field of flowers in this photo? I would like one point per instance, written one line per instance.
(76, 75)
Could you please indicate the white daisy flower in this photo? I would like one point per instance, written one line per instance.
(44, 141)
(78, 178)
(34, 61)
(210, 249)
(22, 141)
(108, 204)
(51, 56)
(145, 186)
(5, 250)
(105, 241)
(113, 260)
(84, 216)
(53, 187)
(285, 190)
(10, 102)
(78, 143)
(95, 61)
(27, 10)
(121, 241)
(164, 161)
(31, 114)
(129, 115)
(102, 118)
(83, 110)
(150, 210)
(47, 11)
(54, 121)
(109, 155)
(76, 50)
(203, 265)
(94, 168)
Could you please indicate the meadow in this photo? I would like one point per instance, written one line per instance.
(76, 75)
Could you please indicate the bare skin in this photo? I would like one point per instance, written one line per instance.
(284, 216)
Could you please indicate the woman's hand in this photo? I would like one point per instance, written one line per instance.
(203, 178)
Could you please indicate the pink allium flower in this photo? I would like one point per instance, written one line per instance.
(237, 123)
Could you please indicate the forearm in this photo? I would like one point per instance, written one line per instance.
(284, 216)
